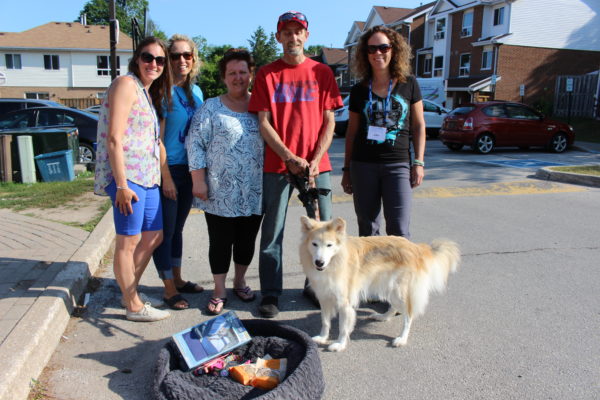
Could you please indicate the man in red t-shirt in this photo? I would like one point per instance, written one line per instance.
(294, 98)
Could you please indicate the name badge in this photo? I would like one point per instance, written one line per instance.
(376, 133)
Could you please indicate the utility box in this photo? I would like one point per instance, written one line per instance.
(57, 166)
(25, 145)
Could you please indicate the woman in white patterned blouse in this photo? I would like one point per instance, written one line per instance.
(225, 155)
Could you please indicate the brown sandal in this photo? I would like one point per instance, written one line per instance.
(244, 294)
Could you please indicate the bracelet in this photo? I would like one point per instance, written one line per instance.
(122, 187)
(344, 169)
(418, 162)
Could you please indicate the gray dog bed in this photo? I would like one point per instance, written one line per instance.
(304, 377)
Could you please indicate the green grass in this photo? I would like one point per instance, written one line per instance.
(19, 196)
(90, 225)
(586, 129)
(582, 169)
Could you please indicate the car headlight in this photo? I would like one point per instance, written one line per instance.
(571, 128)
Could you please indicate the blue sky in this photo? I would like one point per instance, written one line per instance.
(219, 21)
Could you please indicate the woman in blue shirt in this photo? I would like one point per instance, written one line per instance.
(176, 180)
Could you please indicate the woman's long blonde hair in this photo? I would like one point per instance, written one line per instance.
(189, 79)
(399, 67)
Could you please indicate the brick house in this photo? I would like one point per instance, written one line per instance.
(59, 60)
(498, 49)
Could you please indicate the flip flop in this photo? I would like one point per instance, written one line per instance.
(190, 287)
(244, 294)
(172, 302)
(215, 301)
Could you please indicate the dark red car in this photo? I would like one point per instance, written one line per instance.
(484, 126)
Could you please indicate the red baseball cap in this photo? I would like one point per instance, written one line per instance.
(292, 16)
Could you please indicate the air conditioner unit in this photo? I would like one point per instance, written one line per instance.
(465, 32)
(438, 36)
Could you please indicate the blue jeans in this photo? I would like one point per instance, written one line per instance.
(374, 183)
(175, 212)
(276, 195)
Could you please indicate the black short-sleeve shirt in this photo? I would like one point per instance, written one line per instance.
(396, 146)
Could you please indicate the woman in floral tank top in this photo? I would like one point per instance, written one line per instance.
(128, 168)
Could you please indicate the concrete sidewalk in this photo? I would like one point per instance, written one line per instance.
(44, 268)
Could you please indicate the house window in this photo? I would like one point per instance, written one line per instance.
(103, 63)
(37, 95)
(486, 58)
(467, 24)
(440, 28)
(465, 65)
(51, 62)
(499, 16)
(13, 61)
(427, 64)
(438, 66)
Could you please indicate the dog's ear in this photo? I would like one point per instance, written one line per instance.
(307, 223)
(339, 225)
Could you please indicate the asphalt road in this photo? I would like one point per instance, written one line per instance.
(520, 319)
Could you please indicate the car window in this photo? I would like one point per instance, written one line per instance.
(496, 110)
(47, 118)
(430, 107)
(15, 120)
(519, 112)
(66, 119)
(462, 110)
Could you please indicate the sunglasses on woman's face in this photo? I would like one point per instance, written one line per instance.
(148, 58)
(176, 56)
(383, 48)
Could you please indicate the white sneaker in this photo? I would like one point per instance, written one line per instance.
(154, 302)
(147, 314)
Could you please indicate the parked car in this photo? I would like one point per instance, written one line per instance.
(52, 117)
(485, 126)
(341, 118)
(7, 105)
(434, 116)
(93, 109)
(44, 140)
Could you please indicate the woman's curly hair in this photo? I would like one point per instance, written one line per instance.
(190, 78)
(400, 67)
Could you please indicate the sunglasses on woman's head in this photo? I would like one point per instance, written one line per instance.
(148, 58)
(186, 56)
(383, 48)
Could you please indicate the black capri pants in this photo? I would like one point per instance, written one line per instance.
(229, 235)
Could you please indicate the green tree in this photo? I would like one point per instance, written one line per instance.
(210, 79)
(264, 49)
(314, 50)
(97, 14)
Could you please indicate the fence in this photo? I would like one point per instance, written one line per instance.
(584, 98)
(81, 103)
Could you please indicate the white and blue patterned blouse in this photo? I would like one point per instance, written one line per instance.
(228, 144)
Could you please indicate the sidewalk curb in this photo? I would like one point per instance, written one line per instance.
(548, 174)
(33, 341)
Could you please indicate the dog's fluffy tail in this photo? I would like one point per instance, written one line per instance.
(446, 256)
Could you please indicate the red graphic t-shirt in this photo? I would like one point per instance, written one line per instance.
(296, 96)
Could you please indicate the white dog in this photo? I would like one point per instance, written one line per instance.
(344, 270)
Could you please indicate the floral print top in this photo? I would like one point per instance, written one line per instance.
(141, 136)
(228, 144)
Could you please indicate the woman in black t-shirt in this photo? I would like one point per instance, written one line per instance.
(386, 115)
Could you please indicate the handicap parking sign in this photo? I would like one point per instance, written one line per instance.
(523, 163)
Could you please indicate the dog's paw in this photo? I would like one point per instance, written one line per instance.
(399, 341)
(337, 346)
(319, 339)
(379, 317)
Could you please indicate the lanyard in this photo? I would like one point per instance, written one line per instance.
(385, 104)
(190, 113)
(154, 116)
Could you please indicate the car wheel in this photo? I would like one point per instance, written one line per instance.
(86, 153)
(484, 143)
(559, 143)
(454, 146)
